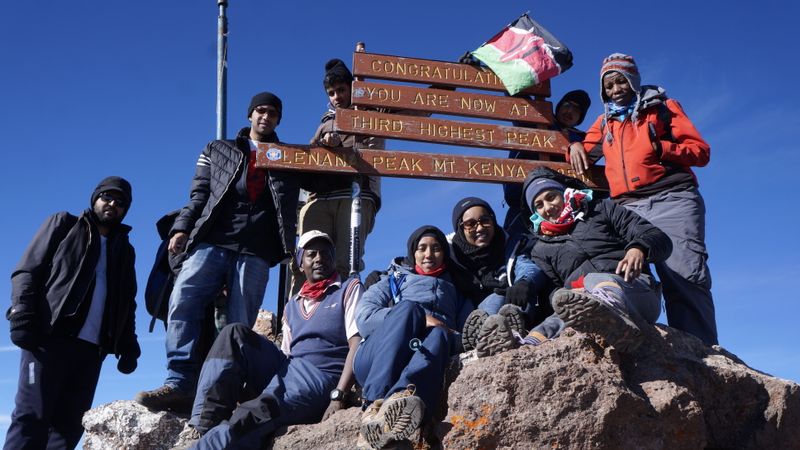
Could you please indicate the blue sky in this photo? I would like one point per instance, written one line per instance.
(95, 88)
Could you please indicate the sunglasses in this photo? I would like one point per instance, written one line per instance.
(471, 224)
(108, 198)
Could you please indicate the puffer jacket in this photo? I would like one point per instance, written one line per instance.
(219, 167)
(55, 277)
(641, 150)
(596, 243)
(437, 295)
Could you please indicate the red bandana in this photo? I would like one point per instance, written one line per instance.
(574, 205)
(433, 273)
(317, 289)
(256, 178)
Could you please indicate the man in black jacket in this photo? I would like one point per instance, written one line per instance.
(239, 222)
(72, 302)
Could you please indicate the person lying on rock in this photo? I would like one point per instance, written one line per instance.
(599, 252)
(407, 320)
(495, 273)
(302, 382)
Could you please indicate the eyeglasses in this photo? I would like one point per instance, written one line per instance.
(108, 198)
(264, 110)
(471, 224)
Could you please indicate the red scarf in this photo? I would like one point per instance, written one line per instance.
(433, 273)
(317, 289)
(256, 178)
(574, 207)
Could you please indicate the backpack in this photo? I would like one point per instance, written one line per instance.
(162, 275)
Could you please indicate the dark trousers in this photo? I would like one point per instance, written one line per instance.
(56, 387)
(385, 362)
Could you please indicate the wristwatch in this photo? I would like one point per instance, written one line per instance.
(337, 395)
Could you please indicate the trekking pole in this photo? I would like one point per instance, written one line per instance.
(222, 68)
(355, 214)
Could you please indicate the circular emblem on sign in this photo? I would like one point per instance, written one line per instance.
(274, 154)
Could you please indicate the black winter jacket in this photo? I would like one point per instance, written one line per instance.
(219, 167)
(55, 277)
(598, 242)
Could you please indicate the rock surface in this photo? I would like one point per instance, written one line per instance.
(571, 392)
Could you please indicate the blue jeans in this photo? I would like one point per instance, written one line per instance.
(205, 272)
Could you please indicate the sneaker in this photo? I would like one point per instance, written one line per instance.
(396, 419)
(188, 438)
(589, 314)
(496, 336)
(472, 327)
(166, 398)
(515, 318)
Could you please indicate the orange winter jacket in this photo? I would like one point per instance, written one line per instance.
(640, 152)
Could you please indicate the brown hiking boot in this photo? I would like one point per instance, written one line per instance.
(396, 419)
(166, 398)
(515, 318)
(472, 326)
(496, 336)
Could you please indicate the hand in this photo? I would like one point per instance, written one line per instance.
(24, 326)
(520, 293)
(334, 406)
(431, 321)
(632, 264)
(177, 243)
(331, 140)
(578, 158)
(127, 364)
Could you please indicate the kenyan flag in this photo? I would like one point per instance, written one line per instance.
(524, 54)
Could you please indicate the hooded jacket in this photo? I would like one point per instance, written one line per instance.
(643, 149)
(219, 167)
(55, 277)
(596, 243)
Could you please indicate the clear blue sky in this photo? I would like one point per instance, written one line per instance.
(95, 88)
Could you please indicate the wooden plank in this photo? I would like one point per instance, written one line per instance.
(415, 70)
(440, 101)
(440, 131)
(405, 164)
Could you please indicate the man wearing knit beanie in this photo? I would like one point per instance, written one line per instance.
(72, 303)
(240, 221)
(650, 145)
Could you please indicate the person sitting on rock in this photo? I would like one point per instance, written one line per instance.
(407, 320)
(495, 274)
(295, 384)
(599, 252)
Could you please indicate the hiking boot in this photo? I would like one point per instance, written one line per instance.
(397, 418)
(472, 327)
(187, 438)
(515, 318)
(166, 398)
(495, 337)
(590, 314)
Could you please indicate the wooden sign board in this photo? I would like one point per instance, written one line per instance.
(385, 67)
(406, 164)
(440, 101)
(440, 131)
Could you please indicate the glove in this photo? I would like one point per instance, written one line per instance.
(127, 360)
(520, 293)
(24, 326)
(372, 278)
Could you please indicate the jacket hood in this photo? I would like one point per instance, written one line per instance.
(544, 172)
(651, 95)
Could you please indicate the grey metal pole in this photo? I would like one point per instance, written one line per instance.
(222, 69)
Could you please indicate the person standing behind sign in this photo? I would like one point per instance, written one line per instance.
(649, 145)
(330, 199)
(569, 113)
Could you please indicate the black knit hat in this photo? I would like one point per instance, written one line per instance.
(465, 204)
(336, 72)
(418, 234)
(579, 97)
(117, 184)
(266, 98)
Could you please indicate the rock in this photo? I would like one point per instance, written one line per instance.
(571, 392)
(127, 425)
(266, 324)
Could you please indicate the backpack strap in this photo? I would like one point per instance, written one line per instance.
(395, 281)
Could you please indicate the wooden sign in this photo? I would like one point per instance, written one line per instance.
(406, 164)
(385, 67)
(440, 101)
(396, 126)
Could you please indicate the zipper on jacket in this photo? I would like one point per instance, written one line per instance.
(622, 153)
(72, 283)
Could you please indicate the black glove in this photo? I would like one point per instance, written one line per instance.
(127, 359)
(520, 293)
(24, 326)
(372, 278)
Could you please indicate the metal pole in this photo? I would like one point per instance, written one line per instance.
(222, 69)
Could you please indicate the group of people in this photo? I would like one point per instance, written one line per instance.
(564, 257)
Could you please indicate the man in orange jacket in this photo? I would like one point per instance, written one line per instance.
(649, 145)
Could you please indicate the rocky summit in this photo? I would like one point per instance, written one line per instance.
(571, 392)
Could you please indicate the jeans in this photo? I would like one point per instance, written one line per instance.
(205, 272)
